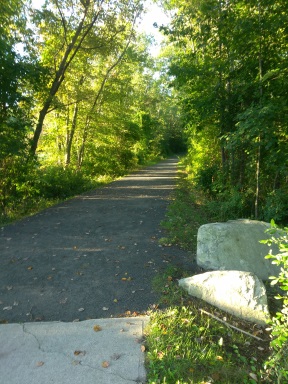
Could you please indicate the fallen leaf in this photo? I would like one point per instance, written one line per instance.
(81, 309)
(7, 308)
(124, 278)
(105, 364)
(30, 268)
(40, 363)
(9, 287)
(105, 309)
(77, 353)
(220, 358)
(115, 301)
(97, 328)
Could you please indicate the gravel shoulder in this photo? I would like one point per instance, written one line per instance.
(93, 256)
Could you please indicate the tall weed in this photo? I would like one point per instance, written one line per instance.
(276, 366)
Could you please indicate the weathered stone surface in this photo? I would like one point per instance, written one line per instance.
(234, 245)
(240, 293)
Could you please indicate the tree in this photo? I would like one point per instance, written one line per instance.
(90, 25)
(228, 60)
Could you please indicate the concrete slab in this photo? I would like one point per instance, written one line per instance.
(102, 351)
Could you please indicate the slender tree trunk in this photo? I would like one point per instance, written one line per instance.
(82, 147)
(257, 180)
(258, 156)
(39, 126)
(70, 135)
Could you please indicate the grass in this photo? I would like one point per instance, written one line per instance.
(184, 344)
(186, 213)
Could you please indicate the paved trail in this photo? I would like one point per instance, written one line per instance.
(90, 257)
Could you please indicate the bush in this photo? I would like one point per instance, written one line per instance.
(276, 206)
(276, 366)
(17, 184)
(60, 183)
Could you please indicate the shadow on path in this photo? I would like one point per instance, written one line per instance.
(90, 257)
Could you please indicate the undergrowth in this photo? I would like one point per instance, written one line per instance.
(185, 344)
(186, 213)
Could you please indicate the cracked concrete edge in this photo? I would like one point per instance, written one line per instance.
(142, 370)
(21, 336)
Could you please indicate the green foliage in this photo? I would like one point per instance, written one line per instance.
(16, 186)
(276, 206)
(229, 205)
(181, 228)
(59, 183)
(233, 96)
(276, 366)
(105, 111)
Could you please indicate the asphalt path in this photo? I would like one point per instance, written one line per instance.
(93, 256)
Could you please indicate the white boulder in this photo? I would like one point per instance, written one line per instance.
(234, 245)
(239, 293)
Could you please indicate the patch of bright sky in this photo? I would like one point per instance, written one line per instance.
(154, 14)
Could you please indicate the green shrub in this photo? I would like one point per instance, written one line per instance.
(276, 367)
(17, 184)
(59, 183)
(206, 179)
(276, 206)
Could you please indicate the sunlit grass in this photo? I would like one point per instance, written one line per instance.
(184, 344)
(186, 213)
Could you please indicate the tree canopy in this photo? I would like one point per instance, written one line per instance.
(81, 95)
(228, 60)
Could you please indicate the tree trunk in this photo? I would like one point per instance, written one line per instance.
(70, 136)
(260, 63)
(257, 179)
